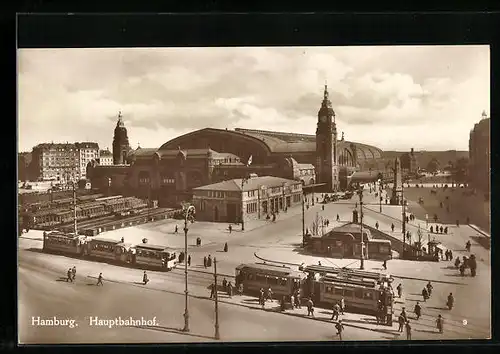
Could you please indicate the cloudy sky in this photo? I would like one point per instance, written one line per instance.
(395, 98)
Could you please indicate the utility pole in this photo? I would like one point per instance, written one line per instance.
(362, 266)
(380, 190)
(303, 220)
(217, 334)
(186, 312)
(403, 206)
(74, 209)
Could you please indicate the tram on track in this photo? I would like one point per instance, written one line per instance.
(153, 256)
(326, 286)
(108, 249)
(60, 242)
(282, 280)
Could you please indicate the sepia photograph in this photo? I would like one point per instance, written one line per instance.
(253, 194)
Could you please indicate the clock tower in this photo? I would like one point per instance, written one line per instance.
(327, 170)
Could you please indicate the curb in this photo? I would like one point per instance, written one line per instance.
(241, 305)
(477, 229)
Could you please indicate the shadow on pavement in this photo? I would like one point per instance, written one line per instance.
(426, 331)
(63, 279)
(172, 330)
(439, 308)
(483, 241)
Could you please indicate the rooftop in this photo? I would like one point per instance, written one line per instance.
(250, 184)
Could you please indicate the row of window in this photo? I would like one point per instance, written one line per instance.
(350, 293)
(103, 247)
(252, 208)
(269, 280)
(306, 172)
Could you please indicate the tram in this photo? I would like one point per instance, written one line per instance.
(281, 279)
(57, 241)
(108, 249)
(154, 256)
(360, 290)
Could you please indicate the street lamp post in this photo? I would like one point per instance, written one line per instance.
(243, 180)
(362, 266)
(303, 217)
(186, 312)
(217, 334)
(403, 206)
(380, 190)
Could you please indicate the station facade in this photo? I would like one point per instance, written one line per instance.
(170, 173)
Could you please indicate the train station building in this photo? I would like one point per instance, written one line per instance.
(246, 199)
(170, 173)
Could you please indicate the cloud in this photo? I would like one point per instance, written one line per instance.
(75, 94)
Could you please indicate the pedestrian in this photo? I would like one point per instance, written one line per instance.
(446, 230)
(342, 305)
(319, 263)
(310, 307)
(403, 313)
(99, 280)
(432, 230)
(269, 294)
(189, 261)
(418, 310)
(425, 294)
(323, 207)
(336, 312)
(338, 218)
(380, 312)
(429, 288)
(283, 303)
(205, 261)
(292, 301)
(376, 225)
(401, 322)
(212, 291)
(441, 229)
(176, 229)
(262, 299)
(70, 276)
(340, 328)
(230, 229)
(73, 272)
(384, 264)
(225, 247)
(457, 262)
(467, 246)
(230, 289)
(440, 323)
(122, 240)
(462, 269)
(224, 284)
(298, 301)
(408, 330)
(392, 227)
(209, 261)
(145, 279)
(400, 290)
(240, 289)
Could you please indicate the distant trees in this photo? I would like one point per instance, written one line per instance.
(433, 165)
(459, 171)
(405, 161)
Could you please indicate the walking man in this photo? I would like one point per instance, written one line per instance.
(73, 272)
(336, 311)
(400, 290)
(418, 310)
(176, 229)
(401, 321)
(99, 280)
(189, 261)
(340, 328)
(429, 288)
(384, 264)
(230, 228)
(230, 289)
(392, 227)
(205, 261)
(310, 307)
(338, 218)
(376, 225)
(212, 291)
(440, 323)
(70, 276)
(342, 306)
(408, 330)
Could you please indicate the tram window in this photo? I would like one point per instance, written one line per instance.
(260, 278)
(283, 282)
(250, 277)
(328, 289)
(358, 293)
(339, 291)
(368, 295)
(348, 293)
